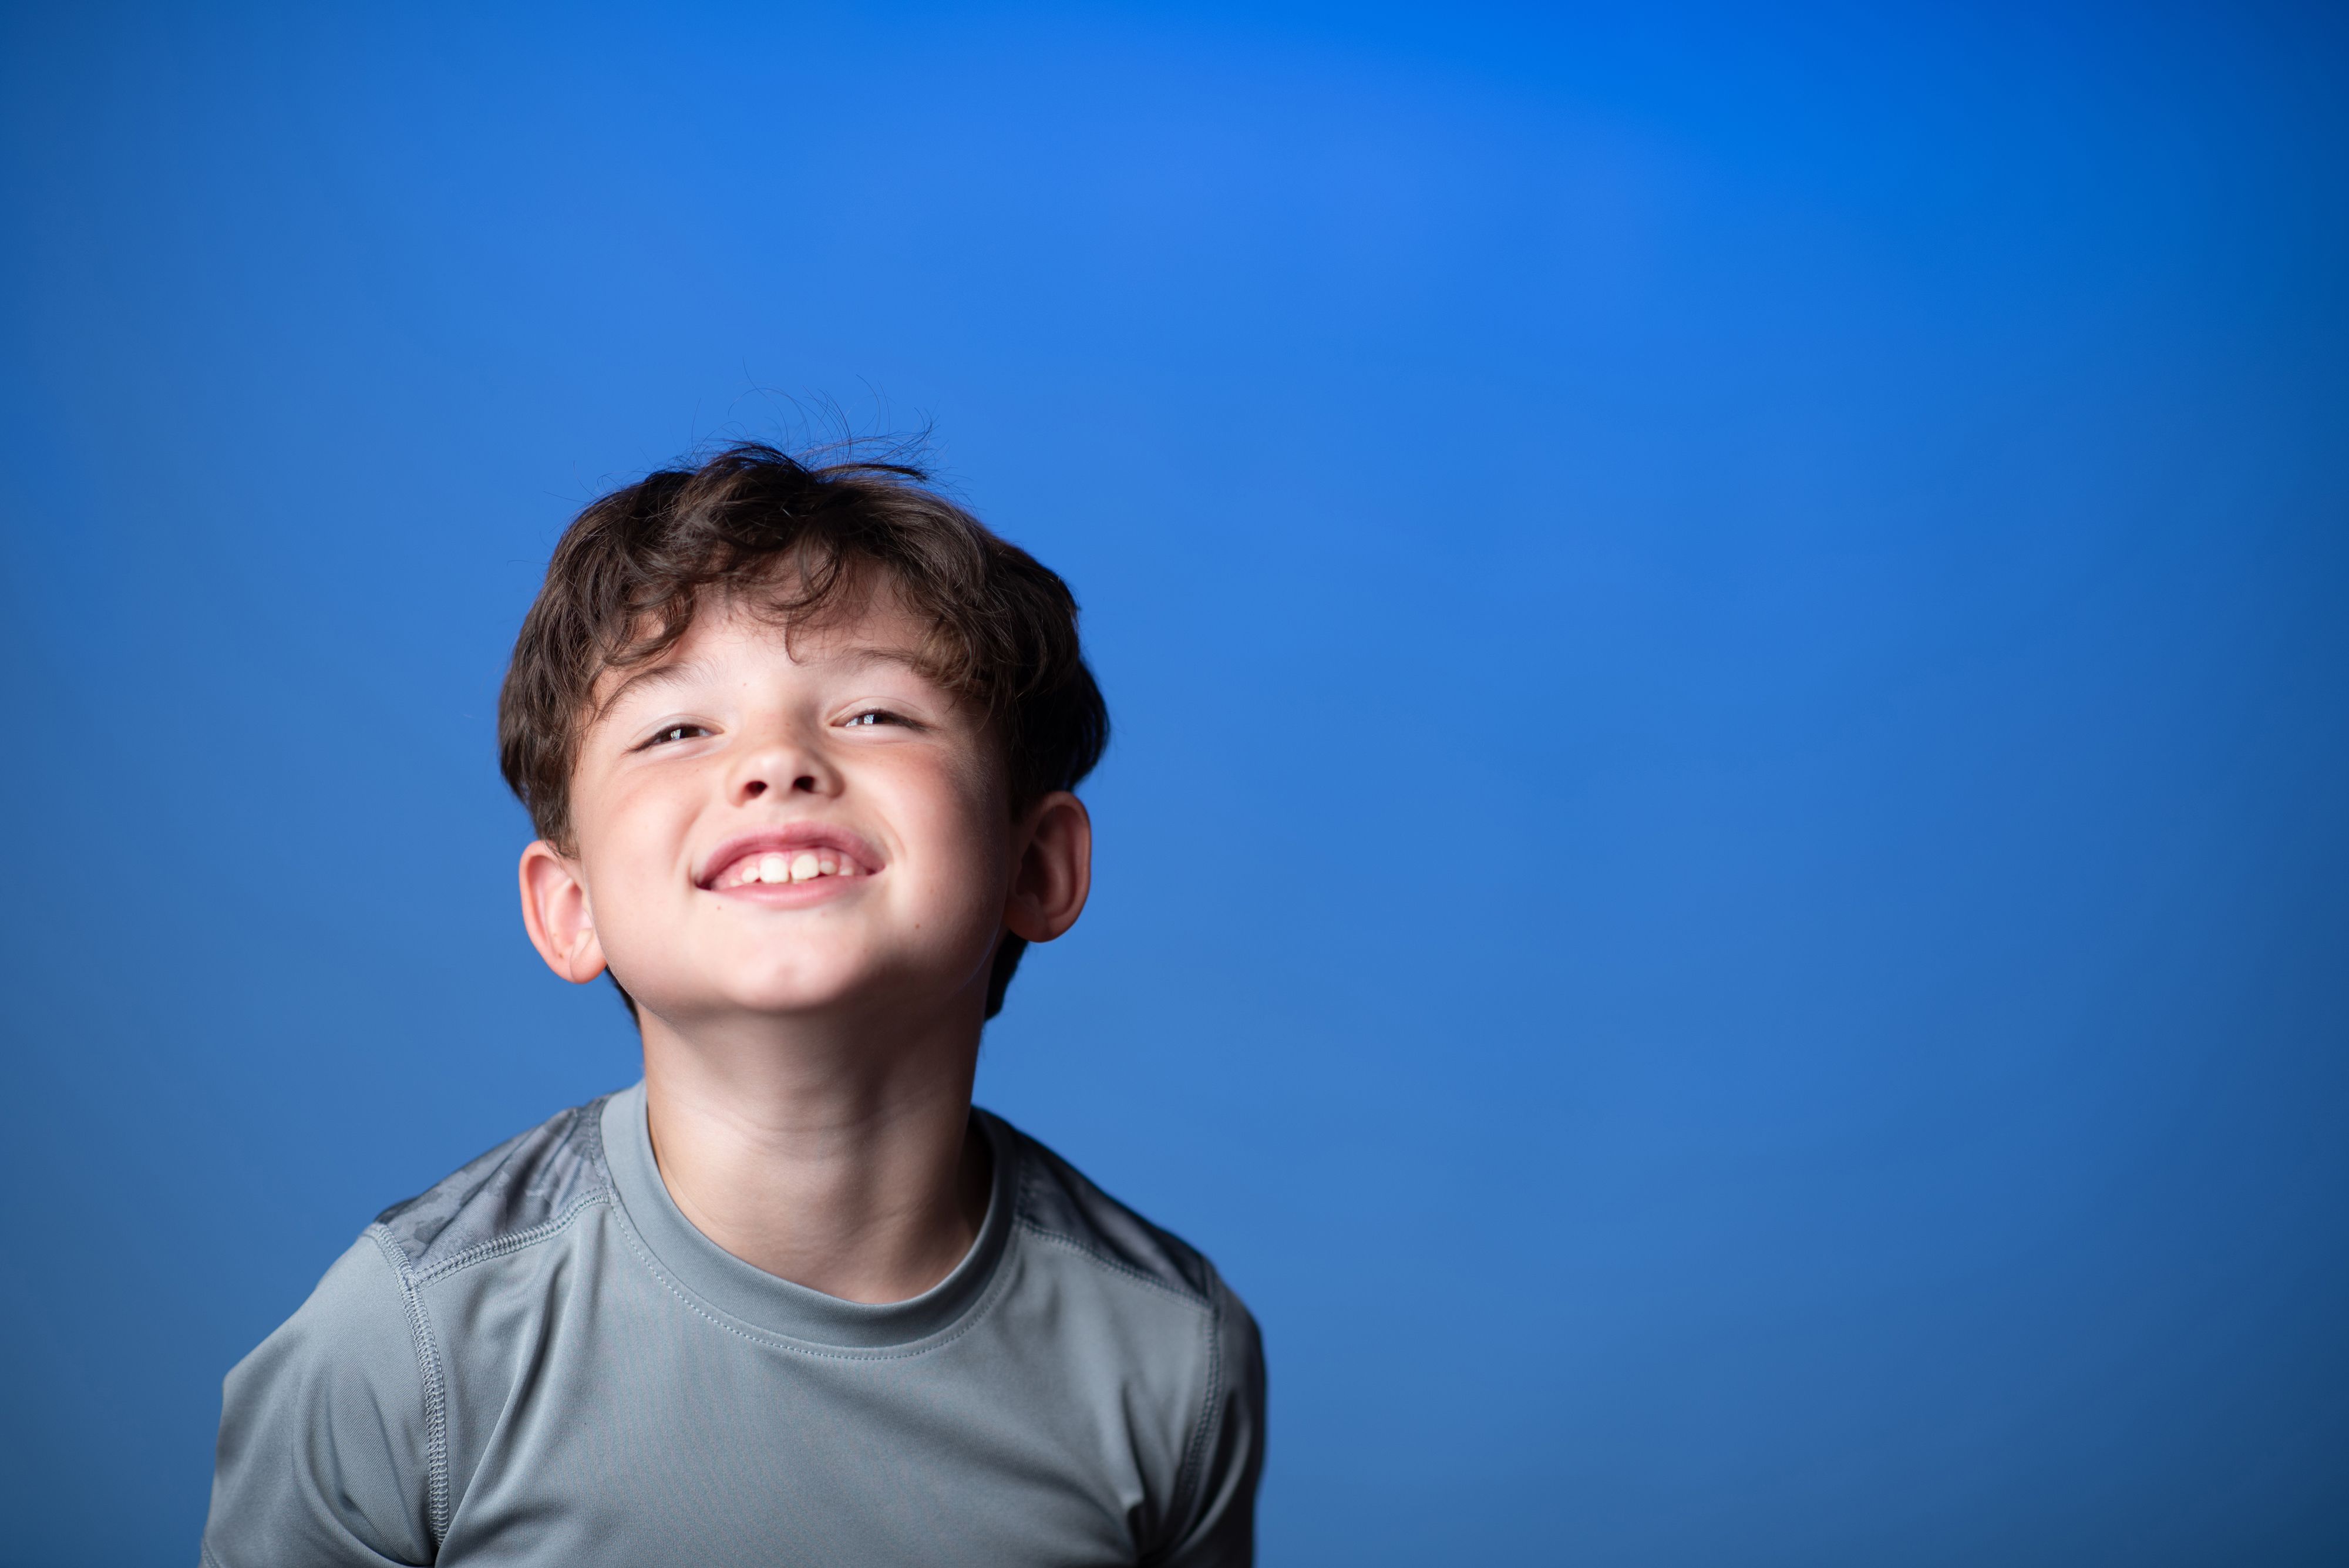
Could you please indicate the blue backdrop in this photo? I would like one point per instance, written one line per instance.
(1723, 876)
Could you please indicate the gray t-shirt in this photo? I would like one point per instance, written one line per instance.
(541, 1361)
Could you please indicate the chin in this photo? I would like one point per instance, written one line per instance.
(792, 983)
(787, 1002)
(804, 988)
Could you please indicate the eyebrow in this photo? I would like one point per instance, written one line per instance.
(676, 673)
(877, 653)
(683, 672)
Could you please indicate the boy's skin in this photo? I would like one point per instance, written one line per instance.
(809, 1047)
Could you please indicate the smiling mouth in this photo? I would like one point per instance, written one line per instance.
(788, 856)
(776, 866)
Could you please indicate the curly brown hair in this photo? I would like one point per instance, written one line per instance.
(632, 569)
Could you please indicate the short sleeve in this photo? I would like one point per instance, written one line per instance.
(1221, 1529)
(324, 1437)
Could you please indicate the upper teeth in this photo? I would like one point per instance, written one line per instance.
(772, 866)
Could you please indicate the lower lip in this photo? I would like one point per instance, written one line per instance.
(792, 895)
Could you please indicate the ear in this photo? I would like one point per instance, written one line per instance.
(555, 911)
(1055, 870)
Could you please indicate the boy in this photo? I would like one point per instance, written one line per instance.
(799, 745)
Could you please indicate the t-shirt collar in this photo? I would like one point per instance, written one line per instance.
(701, 1268)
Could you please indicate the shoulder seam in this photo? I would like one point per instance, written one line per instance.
(1095, 1254)
(498, 1246)
(500, 1187)
(1049, 1186)
(427, 1367)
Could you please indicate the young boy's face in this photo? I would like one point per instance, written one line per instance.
(772, 828)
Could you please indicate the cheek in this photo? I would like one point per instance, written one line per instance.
(628, 841)
(965, 824)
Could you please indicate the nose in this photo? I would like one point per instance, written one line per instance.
(781, 765)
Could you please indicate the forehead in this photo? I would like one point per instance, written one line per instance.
(860, 624)
(855, 631)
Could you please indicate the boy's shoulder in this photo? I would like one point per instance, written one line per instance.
(524, 1189)
(1058, 1203)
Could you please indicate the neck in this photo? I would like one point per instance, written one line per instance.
(836, 1155)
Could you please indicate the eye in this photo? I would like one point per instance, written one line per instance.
(871, 717)
(673, 732)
